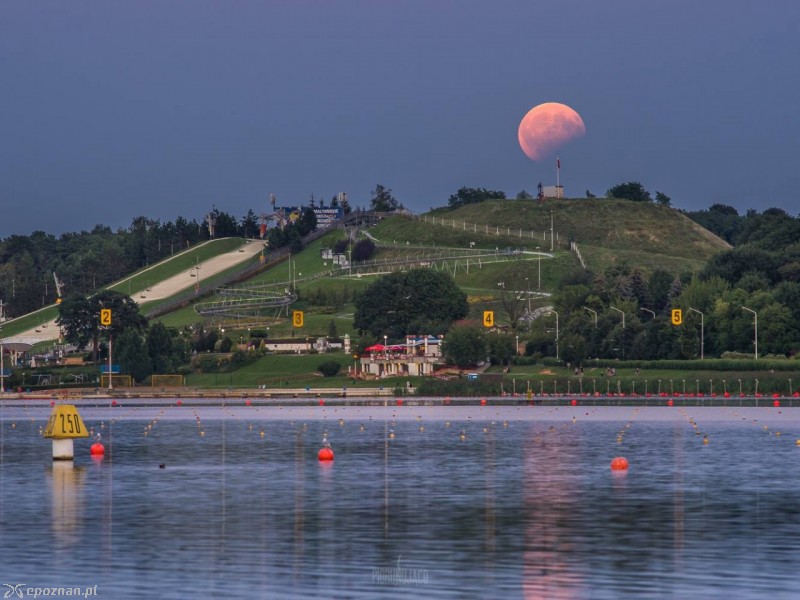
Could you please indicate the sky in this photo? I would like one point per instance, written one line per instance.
(111, 110)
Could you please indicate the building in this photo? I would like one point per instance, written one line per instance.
(419, 356)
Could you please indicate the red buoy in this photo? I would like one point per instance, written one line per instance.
(776, 403)
(670, 402)
(399, 402)
(113, 403)
(321, 402)
(574, 403)
(179, 402)
(483, 401)
(325, 454)
(620, 463)
(248, 402)
(97, 449)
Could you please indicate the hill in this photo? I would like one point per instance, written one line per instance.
(607, 231)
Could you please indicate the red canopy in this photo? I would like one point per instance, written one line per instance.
(375, 348)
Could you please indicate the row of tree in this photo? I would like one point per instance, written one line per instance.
(625, 312)
(88, 260)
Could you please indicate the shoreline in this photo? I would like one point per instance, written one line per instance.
(370, 397)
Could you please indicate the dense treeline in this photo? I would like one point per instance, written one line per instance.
(760, 273)
(88, 260)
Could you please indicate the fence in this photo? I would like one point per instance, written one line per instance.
(486, 229)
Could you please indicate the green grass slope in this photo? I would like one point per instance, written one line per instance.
(606, 230)
(135, 282)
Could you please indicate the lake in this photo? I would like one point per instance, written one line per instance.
(431, 502)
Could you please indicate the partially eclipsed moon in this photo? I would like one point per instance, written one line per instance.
(547, 127)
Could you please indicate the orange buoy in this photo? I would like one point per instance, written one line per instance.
(325, 454)
(97, 449)
(620, 463)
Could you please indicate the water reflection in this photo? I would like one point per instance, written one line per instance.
(552, 490)
(531, 510)
(66, 482)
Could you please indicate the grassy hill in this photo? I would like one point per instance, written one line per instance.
(607, 231)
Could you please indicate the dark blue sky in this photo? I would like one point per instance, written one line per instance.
(111, 110)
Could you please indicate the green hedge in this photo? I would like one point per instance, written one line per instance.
(709, 364)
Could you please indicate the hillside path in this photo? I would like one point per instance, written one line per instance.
(48, 331)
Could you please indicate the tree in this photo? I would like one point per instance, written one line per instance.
(333, 332)
(467, 195)
(524, 195)
(79, 318)
(663, 199)
(249, 225)
(393, 303)
(513, 303)
(632, 190)
(382, 199)
(500, 348)
(464, 345)
(364, 249)
(131, 354)
(161, 349)
(307, 221)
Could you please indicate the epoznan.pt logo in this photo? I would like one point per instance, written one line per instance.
(19, 590)
(13, 591)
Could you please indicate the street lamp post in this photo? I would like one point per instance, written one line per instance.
(594, 312)
(648, 310)
(623, 329)
(528, 281)
(702, 332)
(556, 314)
(540, 267)
(620, 312)
(755, 334)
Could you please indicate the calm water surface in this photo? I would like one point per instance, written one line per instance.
(524, 506)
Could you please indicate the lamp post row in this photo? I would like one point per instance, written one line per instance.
(702, 326)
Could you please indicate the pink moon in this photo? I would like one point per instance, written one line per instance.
(547, 127)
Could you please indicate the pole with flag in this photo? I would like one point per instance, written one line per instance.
(558, 177)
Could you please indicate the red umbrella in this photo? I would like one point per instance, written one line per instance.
(375, 348)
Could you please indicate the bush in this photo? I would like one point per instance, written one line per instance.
(226, 344)
(329, 368)
(363, 250)
(208, 363)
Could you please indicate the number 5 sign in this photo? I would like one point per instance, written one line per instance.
(297, 318)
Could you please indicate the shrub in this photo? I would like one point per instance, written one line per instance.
(329, 368)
